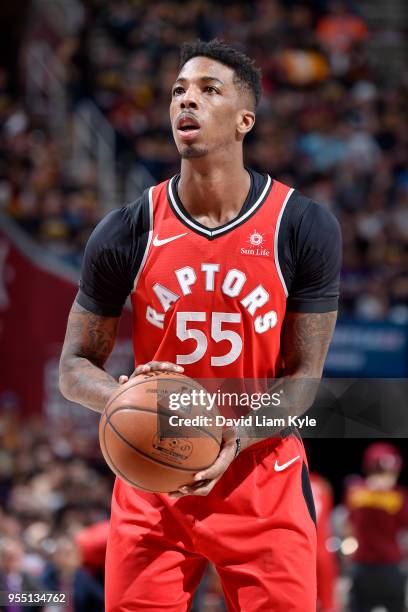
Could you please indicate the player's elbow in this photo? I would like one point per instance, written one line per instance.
(63, 386)
(65, 378)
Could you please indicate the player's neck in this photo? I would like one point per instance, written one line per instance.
(213, 193)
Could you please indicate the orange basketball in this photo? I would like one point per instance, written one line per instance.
(149, 445)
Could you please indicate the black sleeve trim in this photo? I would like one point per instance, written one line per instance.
(92, 305)
(323, 305)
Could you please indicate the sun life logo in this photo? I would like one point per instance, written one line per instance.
(256, 238)
(256, 246)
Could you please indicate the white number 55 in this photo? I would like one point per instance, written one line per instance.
(217, 333)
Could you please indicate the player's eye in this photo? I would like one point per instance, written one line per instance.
(211, 89)
(177, 91)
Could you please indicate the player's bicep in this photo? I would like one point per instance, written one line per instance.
(306, 340)
(89, 335)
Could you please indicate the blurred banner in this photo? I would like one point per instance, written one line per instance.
(36, 293)
(368, 349)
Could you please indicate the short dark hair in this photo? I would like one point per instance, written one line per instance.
(247, 74)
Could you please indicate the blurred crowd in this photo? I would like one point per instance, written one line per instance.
(54, 504)
(330, 122)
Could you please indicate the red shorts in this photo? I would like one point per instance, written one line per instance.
(256, 526)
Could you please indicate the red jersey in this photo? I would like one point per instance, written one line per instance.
(212, 300)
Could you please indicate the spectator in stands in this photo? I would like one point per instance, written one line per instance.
(340, 29)
(13, 577)
(377, 512)
(92, 542)
(65, 574)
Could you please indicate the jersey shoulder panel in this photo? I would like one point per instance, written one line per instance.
(309, 247)
(113, 256)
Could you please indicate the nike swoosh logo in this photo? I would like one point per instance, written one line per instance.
(157, 242)
(280, 468)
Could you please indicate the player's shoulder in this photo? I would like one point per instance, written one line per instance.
(300, 209)
(122, 226)
(306, 224)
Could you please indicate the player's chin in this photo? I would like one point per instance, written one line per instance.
(192, 151)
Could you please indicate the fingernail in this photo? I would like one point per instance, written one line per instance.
(179, 368)
(198, 477)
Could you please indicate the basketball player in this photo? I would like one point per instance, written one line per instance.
(231, 274)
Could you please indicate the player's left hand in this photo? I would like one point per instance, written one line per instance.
(207, 479)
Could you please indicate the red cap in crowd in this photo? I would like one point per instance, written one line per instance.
(382, 457)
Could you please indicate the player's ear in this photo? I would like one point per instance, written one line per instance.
(245, 122)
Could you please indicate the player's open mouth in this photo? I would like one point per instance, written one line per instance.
(187, 126)
(187, 135)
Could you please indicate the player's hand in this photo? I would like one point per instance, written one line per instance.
(152, 366)
(207, 479)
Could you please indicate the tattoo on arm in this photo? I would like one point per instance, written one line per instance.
(88, 343)
(305, 342)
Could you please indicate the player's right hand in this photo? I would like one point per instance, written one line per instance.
(152, 366)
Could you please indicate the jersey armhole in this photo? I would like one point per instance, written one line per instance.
(276, 242)
(148, 203)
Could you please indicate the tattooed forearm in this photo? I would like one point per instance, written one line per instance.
(90, 335)
(305, 342)
(88, 343)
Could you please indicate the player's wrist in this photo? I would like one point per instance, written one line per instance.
(237, 446)
(245, 441)
(232, 439)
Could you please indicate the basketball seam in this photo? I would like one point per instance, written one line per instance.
(139, 382)
(133, 484)
(153, 459)
(160, 413)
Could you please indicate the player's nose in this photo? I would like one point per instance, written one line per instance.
(185, 104)
(189, 100)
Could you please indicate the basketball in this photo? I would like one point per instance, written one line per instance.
(147, 448)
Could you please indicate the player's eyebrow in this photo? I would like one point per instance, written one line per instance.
(202, 78)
